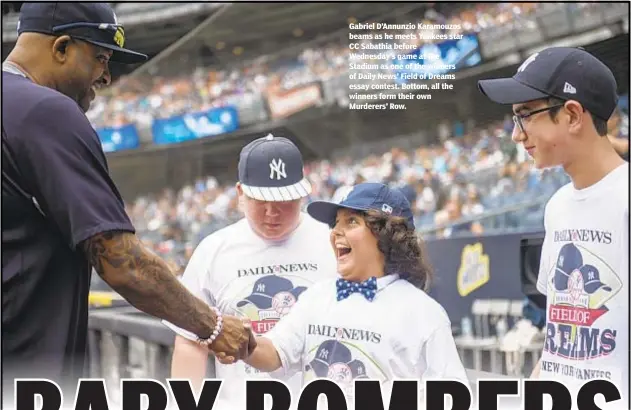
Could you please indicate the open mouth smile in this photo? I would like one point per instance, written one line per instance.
(342, 251)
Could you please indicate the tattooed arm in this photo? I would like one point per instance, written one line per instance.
(147, 282)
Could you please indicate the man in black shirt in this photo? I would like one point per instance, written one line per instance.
(61, 212)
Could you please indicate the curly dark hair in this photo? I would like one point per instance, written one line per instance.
(402, 248)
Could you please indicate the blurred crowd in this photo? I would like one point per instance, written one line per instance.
(476, 182)
(141, 100)
(469, 183)
(461, 185)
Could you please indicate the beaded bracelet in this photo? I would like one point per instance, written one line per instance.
(216, 331)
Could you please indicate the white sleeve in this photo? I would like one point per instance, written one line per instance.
(441, 357)
(544, 268)
(195, 280)
(545, 260)
(289, 333)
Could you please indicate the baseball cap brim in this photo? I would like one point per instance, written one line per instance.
(260, 301)
(293, 192)
(594, 285)
(319, 367)
(120, 55)
(509, 91)
(326, 212)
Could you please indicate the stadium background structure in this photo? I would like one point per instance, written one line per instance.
(452, 155)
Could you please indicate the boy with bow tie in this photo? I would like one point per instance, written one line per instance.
(375, 321)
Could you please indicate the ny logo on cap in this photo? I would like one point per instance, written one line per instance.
(277, 167)
(526, 63)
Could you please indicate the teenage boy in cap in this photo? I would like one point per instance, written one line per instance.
(561, 99)
(62, 213)
(257, 268)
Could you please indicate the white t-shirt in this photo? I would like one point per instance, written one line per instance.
(584, 273)
(402, 334)
(243, 275)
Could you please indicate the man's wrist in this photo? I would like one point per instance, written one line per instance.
(214, 333)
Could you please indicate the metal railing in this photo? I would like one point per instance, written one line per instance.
(124, 343)
(495, 213)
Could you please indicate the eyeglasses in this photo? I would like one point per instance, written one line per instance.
(518, 118)
(117, 30)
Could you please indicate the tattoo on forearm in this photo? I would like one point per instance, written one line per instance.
(146, 281)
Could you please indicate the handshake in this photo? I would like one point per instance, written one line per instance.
(235, 341)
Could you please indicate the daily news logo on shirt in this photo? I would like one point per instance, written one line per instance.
(91, 394)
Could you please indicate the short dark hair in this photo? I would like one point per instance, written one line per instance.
(401, 247)
(599, 123)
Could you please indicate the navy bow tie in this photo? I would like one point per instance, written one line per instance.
(345, 288)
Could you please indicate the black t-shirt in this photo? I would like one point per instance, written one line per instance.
(56, 192)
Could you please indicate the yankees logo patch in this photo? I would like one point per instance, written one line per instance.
(269, 299)
(527, 62)
(277, 169)
(343, 363)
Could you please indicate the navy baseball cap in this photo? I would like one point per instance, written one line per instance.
(365, 197)
(267, 287)
(334, 357)
(409, 192)
(329, 352)
(271, 169)
(566, 73)
(94, 23)
(569, 260)
(591, 279)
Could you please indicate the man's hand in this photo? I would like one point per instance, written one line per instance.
(236, 340)
(262, 354)
(244, 352)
